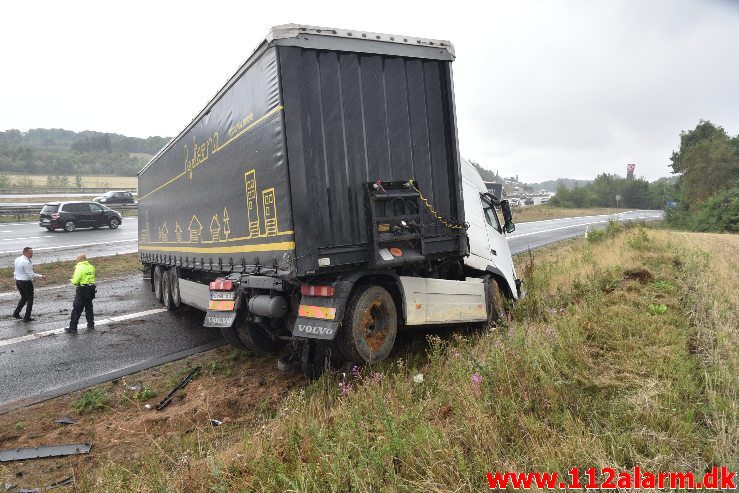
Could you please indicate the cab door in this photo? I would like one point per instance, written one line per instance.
(499, 251)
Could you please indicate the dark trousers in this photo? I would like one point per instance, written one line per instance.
(25, 288)
(83, 297)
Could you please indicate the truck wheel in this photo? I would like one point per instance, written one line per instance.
(314, 358)
(174, 274)
(231, 335)
(157, 281)
(167, 290)
(256, 339)
(370, 326)
(496, 302)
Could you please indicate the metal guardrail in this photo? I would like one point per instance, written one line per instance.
(62, 190)
(9, 210)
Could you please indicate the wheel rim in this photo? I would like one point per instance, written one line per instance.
(69, 226)
(375, 326)
(114, 223)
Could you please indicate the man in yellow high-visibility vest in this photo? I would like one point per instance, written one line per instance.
(84, 280)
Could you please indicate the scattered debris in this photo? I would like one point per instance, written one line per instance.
(65, 420)
(215, 422)
(147, 406)
(35, 490)
(133, 388)
(10, 455)
(418, 378)
(62, 482)
(10, 486)
(165, 402)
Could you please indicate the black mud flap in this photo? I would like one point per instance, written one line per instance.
(219, 319)
(313, 328)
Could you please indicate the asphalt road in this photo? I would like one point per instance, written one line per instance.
(38, 361)
(539, 233)
(58, 245)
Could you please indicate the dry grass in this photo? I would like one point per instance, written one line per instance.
(56, 273)
(541, 212)
(584, 374)
(112, 182)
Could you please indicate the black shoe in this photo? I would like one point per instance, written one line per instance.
(15, 315)
(69, 330)
(29, 319)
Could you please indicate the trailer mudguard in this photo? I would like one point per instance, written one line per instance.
(321, 317)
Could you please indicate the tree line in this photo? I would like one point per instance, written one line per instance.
(707, 189)
(64, 152)
(610, 190)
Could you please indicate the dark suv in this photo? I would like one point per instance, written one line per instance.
(115, 198)
(72, 215)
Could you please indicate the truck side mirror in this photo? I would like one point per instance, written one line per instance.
(507, 216)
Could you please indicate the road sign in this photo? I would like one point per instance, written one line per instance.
(618, 197)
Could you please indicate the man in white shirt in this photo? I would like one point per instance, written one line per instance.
(24, 275)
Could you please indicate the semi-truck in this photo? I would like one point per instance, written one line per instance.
(319, 200)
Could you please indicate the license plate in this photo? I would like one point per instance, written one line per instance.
(45, 221)
(222, 295)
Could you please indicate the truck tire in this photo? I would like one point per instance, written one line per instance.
(156, 280)
(174, 273)
(167, 291)
(314, 358)
(496, 303)
(256, 339)
(370, 326)
(231, 335)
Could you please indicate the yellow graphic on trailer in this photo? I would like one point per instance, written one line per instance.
(262, 222)
(178, 231)
(252, 207)
(195, 229)
(270, 212)
(163, 233)
(226, 225)
(215, 229)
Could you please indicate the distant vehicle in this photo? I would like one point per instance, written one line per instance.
(528, 201)
(514, 202)
(544, 200)
(115, 197)
(72, 215)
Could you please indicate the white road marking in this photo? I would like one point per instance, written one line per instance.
(105, 321)
(6, 231)
(555, 229)
(24, 238)
(62, 247)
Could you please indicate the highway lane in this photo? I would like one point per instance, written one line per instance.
(539, 233)
(59, 245)
(37, 361)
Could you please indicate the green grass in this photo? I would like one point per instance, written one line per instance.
(91, 400)
(582, 374)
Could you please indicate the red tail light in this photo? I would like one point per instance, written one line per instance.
(324, 291)
(221, 285)
(55, 215)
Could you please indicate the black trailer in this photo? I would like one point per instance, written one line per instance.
(274, 170)
(328, 159)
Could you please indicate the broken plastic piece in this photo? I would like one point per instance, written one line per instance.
(10, 455)
(65, 420)
(215, 422)
(62, 482)
(165, 402)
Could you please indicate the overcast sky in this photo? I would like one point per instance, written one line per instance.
(544, 89)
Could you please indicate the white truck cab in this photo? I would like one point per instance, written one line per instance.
(489, 251)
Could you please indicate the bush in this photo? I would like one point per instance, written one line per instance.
(91, 400)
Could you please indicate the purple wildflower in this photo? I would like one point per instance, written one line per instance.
(345, 388)
(356, 372)
(476, 378)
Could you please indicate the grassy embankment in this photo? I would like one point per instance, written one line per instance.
(541, 212)
(623, 353)
(56, 273)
